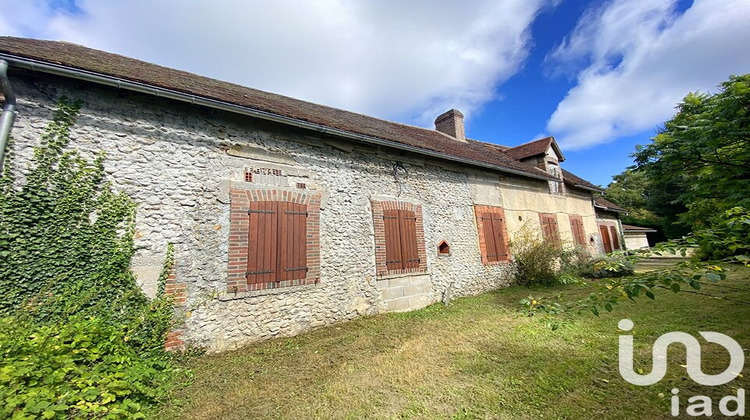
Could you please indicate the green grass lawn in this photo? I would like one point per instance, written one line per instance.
(476, 358)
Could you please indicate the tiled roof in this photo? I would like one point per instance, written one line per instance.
(576, 181)
(605, 204)
(72, 56)
(631, 228)
(534, 148)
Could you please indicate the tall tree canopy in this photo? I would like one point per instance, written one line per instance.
(628, 189)
(698, 165)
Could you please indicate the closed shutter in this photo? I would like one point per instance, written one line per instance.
(576, 226)
(494, 237)
(393, 256)
(293, 249)
(408, 230)
(277, 242)
(605, 239)
(401, 251)
(549, 227)
(615, 238)
(262, 242)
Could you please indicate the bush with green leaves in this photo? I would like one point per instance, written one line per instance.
(616, 264)
(541, 262)
(83, 368)
(728, 237)
(78, 337)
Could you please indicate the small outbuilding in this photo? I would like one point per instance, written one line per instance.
(636, 236)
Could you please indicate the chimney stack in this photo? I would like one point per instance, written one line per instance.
(451, 123)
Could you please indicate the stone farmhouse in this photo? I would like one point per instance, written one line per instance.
(287, 215)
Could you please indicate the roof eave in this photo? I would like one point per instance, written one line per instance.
(584, 187)
(108, 80)
(610, 209)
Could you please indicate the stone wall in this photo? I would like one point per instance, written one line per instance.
(180, 162)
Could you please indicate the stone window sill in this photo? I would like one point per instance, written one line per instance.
(229, 295)
(399, 275)
(501, 262)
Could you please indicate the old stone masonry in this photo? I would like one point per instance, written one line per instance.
(286, 215)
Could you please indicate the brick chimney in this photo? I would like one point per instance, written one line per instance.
(451, 123)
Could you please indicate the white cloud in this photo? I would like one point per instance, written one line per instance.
(640, 59)
(405, 60)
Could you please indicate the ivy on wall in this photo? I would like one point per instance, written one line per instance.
(78, 338)
(64, 230)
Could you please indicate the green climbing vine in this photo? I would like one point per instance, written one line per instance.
(78, 338)
(165, 271)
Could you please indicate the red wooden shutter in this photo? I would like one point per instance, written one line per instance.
(393, 255)
(554, 229)
(494, 237)
(489, 237)
(605, 239)
(498, 230)
(408, 232)
(262, 242)
(546, 232)
(615, 238)
(292, 262)
(574, 229)
(277, 242)
(576, 226)
(549, 227)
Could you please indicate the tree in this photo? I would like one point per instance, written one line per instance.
(628, 190)
(695, 174)
(699, 162)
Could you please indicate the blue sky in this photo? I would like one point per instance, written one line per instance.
(600, 76)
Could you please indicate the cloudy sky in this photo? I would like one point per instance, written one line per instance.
(599, 76)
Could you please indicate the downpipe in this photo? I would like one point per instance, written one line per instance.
(9, 110)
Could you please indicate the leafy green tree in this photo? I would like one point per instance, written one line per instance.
(700, 160)
(695, 174)
(628, 189)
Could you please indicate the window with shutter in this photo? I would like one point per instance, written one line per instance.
(274, 239)
(400, 239)
(605, 238)
(576, 226)
(493, 242)
(494, 236)
(277, 242)
(550, 230)
(615, 238)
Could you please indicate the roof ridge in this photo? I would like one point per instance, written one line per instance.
(533, 141)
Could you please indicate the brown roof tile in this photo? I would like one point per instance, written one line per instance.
(576, 181)
(82, 58)
(631, 228)
(534, 148)
(608, 205)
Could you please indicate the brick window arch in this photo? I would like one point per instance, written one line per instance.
(274, 239)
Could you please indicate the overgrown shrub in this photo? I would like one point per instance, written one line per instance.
(616, 264)
(82, 368)
(78, 337)
(535, 260)
(574, 261)
(727, 238)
